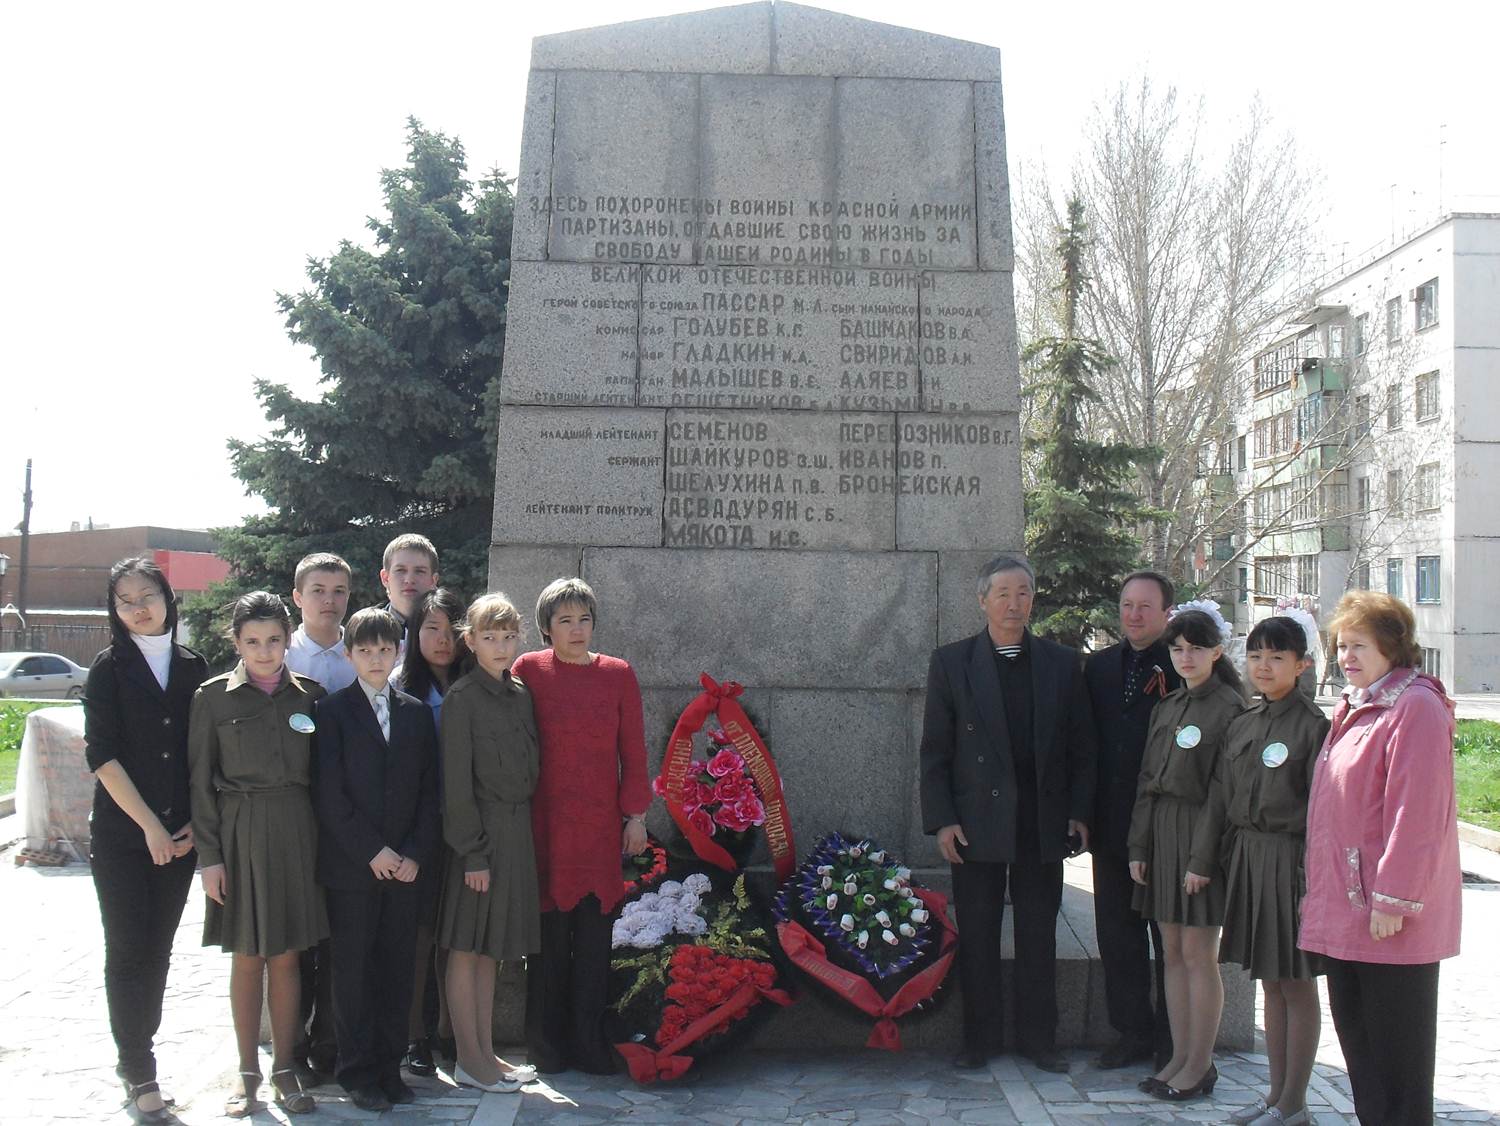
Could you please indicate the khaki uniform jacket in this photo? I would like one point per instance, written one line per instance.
(1183, 773)
(241, 741)
(1249, 793)
(491, 756)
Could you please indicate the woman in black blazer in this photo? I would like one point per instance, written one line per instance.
(135, 710)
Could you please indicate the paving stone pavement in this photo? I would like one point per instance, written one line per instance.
(56, 1055)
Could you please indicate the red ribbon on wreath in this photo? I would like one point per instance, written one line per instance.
(809, 956)
(721, 699)
(648, 1065)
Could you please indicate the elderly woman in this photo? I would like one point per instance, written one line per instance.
(592, 782)
(1383, 880)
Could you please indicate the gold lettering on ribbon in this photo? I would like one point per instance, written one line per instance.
(768, 783)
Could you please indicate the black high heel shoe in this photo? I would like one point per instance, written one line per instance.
(161, 1116)
(1203, 1087)
(1150, 1085)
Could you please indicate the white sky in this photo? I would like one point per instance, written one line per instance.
(172, 165)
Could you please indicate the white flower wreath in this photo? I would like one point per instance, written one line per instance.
(671, 908)
(1205, 606)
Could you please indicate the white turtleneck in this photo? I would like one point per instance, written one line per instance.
(158, 653)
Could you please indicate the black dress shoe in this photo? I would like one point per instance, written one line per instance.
(1048, 1060)
(1122, 1053)
(397, 1091)
(419, 1058)
(369, 1097)
(1198, 1090)
(1150, 1085)
(971, 1059)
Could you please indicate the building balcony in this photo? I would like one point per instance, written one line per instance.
(1323, 373)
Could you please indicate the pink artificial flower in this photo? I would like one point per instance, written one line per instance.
(732, 789)
(659, 786)
(750, 809)
(725, 762)
(726, 816)
(704, 792)
(700, 820)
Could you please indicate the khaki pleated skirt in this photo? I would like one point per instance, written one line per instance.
(1163, 899)
(272, 902)
(1264, 888)
(504, 922)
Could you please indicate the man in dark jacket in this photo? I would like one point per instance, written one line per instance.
(1007, 786)
(1125, 683)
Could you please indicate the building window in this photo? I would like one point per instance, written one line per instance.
(1307, 574)
(1393, 577)
(1333, 500)
(1362, 494)
(1429, 578)
(1275, 367)
(1432, 662)
(1336, 342)
(1426, 302)
(1304, 499)
(1393, 492)
(1393, 320)
(1244, 584)
(1223, 548)
(1362, 576)
(1361, 330)
(1273, 576)
(1427, 396)
(1262, 507)
(1427, 486)
(1393, 407)
(1361, 415)
(1241, 453)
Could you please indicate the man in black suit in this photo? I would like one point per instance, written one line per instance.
(1125, 683)
(377, 800)
(1007, 786)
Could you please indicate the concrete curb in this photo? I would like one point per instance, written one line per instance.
(1479, 835)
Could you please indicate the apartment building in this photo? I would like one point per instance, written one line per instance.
(1365, 451)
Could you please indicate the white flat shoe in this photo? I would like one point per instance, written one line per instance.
(1274, 1117)
(504, 1086)
(1249, 1113)
(521, 1073)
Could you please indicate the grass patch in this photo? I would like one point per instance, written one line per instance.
(1476, 767)
(12, 726)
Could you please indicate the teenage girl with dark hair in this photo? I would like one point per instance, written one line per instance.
(135, 717)
(1259, 805)
(1169, 843)
(250, 750)
(429, 667)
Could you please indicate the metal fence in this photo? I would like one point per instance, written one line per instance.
(77, 642)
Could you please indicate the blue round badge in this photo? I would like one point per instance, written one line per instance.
(1274, 755)
(301, 724)
(1189, 736)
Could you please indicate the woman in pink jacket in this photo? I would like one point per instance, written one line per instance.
(1383, 881)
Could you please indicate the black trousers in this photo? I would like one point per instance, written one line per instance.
(1386, 1018)
(979, 900)
(374, 940)
(567, 986)
(1125, 944)
(140, 905)
(319, 1047)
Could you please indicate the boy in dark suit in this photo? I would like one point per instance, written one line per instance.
(377, 801)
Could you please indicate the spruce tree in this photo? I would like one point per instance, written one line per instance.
(408, 334)
(1081, 513)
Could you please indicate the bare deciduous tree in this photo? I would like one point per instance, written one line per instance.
(1196, 246)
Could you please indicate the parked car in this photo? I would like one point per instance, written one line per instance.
(40, 674)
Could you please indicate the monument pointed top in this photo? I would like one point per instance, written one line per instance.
(767, 38)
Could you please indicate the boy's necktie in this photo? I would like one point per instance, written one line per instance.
(383, 714)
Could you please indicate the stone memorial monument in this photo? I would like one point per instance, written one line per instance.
(760, 382)
(761, 390)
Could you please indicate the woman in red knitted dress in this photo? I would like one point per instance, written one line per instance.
(593, 778)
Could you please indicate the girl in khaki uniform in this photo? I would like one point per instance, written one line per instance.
(490, 909)
(1259, 807)
(1169, 842)
(250, 750)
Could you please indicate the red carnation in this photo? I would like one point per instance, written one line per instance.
(749, 809)
(732, 789)
(726, 816)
